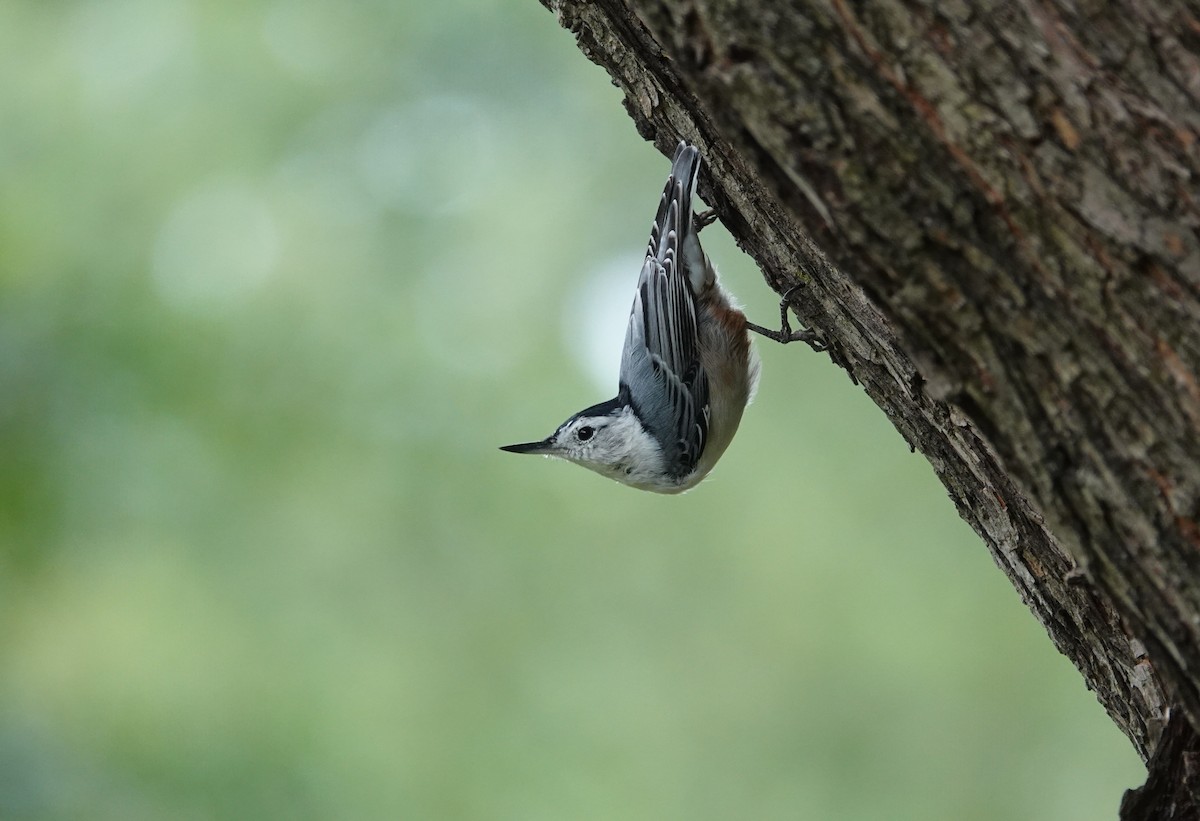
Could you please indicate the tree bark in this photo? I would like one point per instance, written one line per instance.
(992, 209)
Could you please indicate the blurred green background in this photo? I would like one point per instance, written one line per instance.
(276, 279)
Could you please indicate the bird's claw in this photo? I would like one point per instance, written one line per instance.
(703, 219)
(785, 334)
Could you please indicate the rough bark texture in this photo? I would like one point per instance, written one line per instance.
(1172, 789)
(993, 208)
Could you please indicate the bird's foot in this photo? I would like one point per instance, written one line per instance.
(703, 219)
(785, 334)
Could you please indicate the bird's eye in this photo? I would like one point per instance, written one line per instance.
(584, 433)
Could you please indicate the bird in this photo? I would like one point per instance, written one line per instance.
(688, 369)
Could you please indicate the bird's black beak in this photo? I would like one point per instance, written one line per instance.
(542, 447)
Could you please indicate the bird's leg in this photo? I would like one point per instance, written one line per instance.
(703, 219)
(785, 334)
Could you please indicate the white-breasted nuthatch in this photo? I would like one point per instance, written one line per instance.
(688, 369)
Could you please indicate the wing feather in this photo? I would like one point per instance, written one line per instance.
(660, 367)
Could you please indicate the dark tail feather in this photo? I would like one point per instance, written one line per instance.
(685, 168)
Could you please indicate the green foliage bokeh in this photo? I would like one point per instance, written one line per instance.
(276, 279)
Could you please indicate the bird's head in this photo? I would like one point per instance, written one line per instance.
(607, 438)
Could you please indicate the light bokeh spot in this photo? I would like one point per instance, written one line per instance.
(121, 45)
(432, 156)
(218, 245)
(596, 317)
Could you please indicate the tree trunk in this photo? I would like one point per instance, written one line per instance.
(993, 212)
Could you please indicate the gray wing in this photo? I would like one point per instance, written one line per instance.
(660, 368)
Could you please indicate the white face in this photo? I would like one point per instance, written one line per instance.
(595, 442)
(613, 445)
